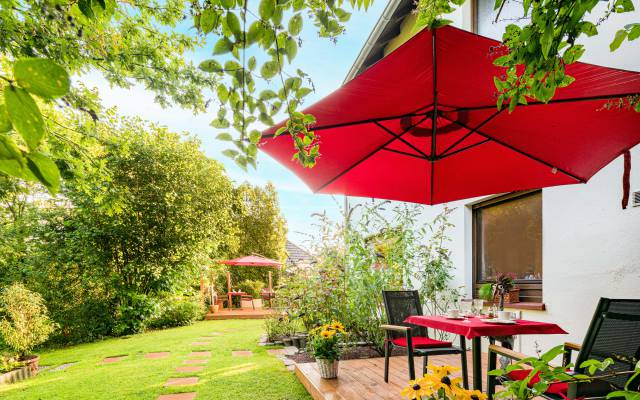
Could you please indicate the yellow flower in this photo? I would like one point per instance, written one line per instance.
(337, 326)
(443, 370)
(439, 380)
(477, 395)
(327, 334)
(416, 389)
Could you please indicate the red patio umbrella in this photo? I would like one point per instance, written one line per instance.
(378, 137)
(250, 261)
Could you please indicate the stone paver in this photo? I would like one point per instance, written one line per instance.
(200, 354)
(205, 338)
(275, 352)
(199, 361)
(191, 380)
(189, 368)
(290, 350)
(113, 359)
(215, 334)
(241, 353)
(158, 354)
(178, 396)
(200, 343)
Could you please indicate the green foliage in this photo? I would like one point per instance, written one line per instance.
(177, 311)
(262, 229)
(252, 288)
(24, 323)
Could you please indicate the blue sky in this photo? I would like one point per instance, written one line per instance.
(327, 64)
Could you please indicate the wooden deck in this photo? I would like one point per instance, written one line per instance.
(240, 313)
(364, 379)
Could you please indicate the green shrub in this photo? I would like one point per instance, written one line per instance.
(178, 311)
(133, 313)
(252, 288)
(24, 323)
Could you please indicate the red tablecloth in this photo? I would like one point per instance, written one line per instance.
(474, 327)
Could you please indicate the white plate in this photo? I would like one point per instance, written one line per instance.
(498, 321)
(450, 317)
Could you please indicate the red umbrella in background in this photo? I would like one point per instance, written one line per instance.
(421, 125)
(250, 261)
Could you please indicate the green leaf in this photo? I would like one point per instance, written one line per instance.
(24, 115)
(233, 23)
(302, 92)
(255, 136)
(634, 31)
(230, 153)
(45, 170)
(42, 77)
(501, 61)
(547, 40)
(85, 8)
(222, 46)
(269, 69)
(223, 93)
(224, 136)
(5, 123)
(280, 131)
(295, 24)
(573, 54)
(291, 49)
(251, 63)
(209, 20)
(210, 66)
(588, 28)
(267, 9)
(255, 32)
(9, 151)
(228, 3)
(552, 353)
(621, 35)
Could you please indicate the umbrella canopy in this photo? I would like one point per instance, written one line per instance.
(421, 125)
(252, 261)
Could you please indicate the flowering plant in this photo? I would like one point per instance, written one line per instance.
(324, 341)
(440, 385)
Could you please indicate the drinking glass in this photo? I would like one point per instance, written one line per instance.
(466, 307)
(477, 305)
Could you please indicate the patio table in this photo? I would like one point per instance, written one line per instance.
(232, 294)
(474, 329)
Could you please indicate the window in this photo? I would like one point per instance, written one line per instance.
(507, 237)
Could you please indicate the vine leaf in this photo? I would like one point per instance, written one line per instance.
(11, 160)
(5, 123)
(45, 170)
(24, 115)
(42, 77)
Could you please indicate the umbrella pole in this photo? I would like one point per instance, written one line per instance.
(229, 288)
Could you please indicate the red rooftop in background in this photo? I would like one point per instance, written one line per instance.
(376, 131)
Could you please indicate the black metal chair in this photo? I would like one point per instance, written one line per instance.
(614, 333)
(415, 339)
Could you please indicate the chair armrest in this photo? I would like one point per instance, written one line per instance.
(572, 346)
(395, 328)
(503, 351)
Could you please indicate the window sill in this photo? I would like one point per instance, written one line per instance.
(526, 306)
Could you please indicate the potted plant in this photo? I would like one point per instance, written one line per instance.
(24, 325)
(502, 290)
(324, 343)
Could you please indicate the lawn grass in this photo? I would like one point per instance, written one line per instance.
(260, 376)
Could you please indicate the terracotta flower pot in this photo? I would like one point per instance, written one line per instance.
(328, 368)
(214, 308)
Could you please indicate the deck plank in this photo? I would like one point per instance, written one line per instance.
(364, 378)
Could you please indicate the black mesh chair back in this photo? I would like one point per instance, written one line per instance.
(614, 333)
(400, 304)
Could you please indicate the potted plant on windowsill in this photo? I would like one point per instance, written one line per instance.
(324, 343)
(24, 325)
(502, 291)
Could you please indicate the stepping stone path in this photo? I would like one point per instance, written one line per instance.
(156, 355)
(191, 380)
(200, 354)
(178, 396)
(199, 361)
(113, 359)
(241, 353)
(189, 368)
(275, 352)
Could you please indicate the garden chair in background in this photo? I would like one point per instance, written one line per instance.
(614, 333)
(399, 305)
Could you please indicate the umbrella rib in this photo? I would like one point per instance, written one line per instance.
(360, 122)
(524, 153)
(464, 148)
(363, 159)
(471, 132)
(540, 103)
(405, 153)
(392, 133)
